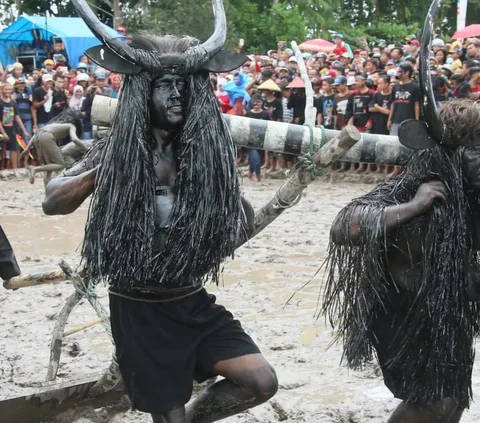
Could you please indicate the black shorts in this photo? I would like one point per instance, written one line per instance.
(163, 346)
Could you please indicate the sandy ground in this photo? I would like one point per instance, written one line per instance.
(257, 284)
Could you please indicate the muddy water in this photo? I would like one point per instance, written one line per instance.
(256, 287)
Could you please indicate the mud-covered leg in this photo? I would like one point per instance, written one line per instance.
(250, 381)
(174, 416)
(457, 416)
(442, 412)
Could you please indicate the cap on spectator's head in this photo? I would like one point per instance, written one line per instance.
(414, 43)
(322, 55)
(360, 76)
(438, 42)
(376, 55)
(48, 62)
(47, 78)
(339, 80)
(356, 52)
(337, 64)
(350, 81)
(100, 75)
(338, 35)
(82, 65)
(392, 72)
(283, 68)
(306, 56)
(17, 66)
(390, 63)
(83, 77)
(406, 67)
(122, 30)
(447, 67)
(316, 82)
(20, 80)
(293, 59)
(410, 59)
(332, 73)
(345, 56)
(269, 85)
(289, 51)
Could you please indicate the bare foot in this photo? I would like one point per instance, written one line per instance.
(31, 174)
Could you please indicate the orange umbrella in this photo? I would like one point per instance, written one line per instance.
(467, 32)
(296, 83)
(318, 45)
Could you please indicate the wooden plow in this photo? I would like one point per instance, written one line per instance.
(99, 390)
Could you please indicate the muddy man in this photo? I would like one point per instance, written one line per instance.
(403, 280)
(166, 211)
(67, 124)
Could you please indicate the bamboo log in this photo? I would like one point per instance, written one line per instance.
(57, 337)
(286, 138)
(79, 328)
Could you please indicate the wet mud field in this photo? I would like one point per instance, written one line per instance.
(256, 287)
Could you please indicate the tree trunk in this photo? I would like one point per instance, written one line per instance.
(377, 9)
(117, 14)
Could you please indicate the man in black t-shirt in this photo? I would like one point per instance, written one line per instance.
(358, 113)
(341, 102)
(406, 99)
(59, 95)
(325, 103)
(42, 103)
(379, 107)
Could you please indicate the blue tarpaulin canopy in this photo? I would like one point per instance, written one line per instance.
(73, 32)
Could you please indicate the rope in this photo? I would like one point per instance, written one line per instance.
(306, 161)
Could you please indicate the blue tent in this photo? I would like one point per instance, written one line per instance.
(73, 32)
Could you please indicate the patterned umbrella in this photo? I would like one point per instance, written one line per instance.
(467, 32)
(318, 45)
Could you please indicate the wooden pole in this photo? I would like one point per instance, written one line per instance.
(57, 337)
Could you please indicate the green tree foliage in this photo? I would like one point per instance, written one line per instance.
(261, 23)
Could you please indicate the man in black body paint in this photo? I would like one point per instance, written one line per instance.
(166, 211)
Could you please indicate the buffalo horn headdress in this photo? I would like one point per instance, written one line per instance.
(420, 135)
(117, 56)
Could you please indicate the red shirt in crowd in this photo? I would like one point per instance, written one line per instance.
(340, 50)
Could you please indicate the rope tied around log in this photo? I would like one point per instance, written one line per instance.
(306, 161)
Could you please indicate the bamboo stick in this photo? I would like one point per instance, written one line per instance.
(79, 328)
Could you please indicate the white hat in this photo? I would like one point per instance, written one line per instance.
(47, 78)
(438, 42)
(448, 67)
(392, 72)
(351, 81)
(83, 77)
(293, 59)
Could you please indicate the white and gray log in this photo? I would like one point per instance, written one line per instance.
(285, 138)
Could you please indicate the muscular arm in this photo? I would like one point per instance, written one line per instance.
(65, 194)
(394, 217)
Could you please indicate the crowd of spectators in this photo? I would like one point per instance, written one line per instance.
(374, 88)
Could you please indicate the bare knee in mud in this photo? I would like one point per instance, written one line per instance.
(446, 411)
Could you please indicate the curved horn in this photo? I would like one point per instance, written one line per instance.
(98, 29)
(436, 126)
(216, 42)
